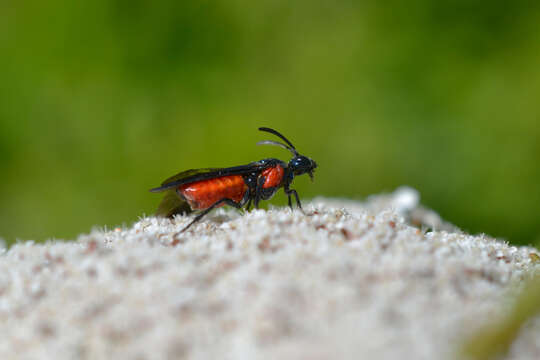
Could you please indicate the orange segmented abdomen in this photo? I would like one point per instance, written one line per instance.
(273, 176)
(202, 194)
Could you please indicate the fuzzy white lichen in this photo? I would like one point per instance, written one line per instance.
(350, 280)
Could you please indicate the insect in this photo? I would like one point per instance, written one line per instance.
(237, 186)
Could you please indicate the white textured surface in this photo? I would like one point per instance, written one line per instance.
(349, 281)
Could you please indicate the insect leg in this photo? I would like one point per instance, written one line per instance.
(246, 199)
(290, 202)
(227, 201)
(258, 191)
(290, 192)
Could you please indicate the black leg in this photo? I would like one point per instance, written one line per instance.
(246, 199)
(258, 191)
(290, 192)
(206, 211)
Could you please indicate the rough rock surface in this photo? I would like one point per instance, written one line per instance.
(350, 280)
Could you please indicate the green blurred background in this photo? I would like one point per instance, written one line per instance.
(102, 100)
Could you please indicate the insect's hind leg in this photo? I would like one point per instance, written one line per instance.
(227, 201)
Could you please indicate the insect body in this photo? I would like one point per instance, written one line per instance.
(239, 186)
(202, 194)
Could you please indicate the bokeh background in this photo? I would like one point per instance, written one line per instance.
(102, 100)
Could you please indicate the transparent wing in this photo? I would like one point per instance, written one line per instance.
(172, 204)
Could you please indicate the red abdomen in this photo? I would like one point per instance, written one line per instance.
(202, 194)
(273, 176)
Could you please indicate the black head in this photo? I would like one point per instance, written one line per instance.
(302, 164)
(299, 164)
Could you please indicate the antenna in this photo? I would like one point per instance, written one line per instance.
(272, 131)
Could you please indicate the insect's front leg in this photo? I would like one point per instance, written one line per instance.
(290, 192)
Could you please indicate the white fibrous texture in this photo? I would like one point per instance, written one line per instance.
(381, 279)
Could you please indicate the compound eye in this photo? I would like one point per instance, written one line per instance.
(301, 165)
(303, 162)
